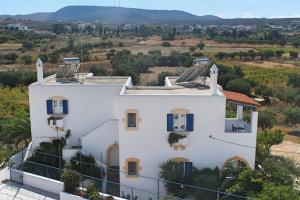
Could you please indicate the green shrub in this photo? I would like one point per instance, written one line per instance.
(264, 91)
(266, 119)
(292, 115)
(44, 57)
(239, 85)
(270, 138)
(98, 71)
(294, 80)
(161, 78)
(71, 181)
(88, 166)
(27, 59)
(27, 45)
(93, 192)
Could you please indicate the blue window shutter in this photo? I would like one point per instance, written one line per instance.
(49, 107)
(188, 168)
(170, 126)
(65, 107)
(190, 122)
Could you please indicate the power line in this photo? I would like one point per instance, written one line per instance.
(242, 145)
(233, 143)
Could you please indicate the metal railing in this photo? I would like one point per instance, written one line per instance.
(115, 188)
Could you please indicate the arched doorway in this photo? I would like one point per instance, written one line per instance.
(113, 175)
(113, 155)
(235, 163)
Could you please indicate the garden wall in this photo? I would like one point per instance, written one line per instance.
(46, 184)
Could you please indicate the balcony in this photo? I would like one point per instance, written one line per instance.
(235, 125)
(239, 125)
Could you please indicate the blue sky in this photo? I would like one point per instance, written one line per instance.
(222, 8)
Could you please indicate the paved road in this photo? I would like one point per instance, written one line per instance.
(14, 191)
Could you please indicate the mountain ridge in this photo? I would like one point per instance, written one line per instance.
(114, 15)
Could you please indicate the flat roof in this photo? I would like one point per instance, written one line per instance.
(88, 78)
(176, 90)
(173, 89)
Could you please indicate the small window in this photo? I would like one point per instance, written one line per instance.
(131, 120)
(179, 122)
(132, 168)
(58, 107)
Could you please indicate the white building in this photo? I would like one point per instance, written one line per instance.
(129, 126)
(201, 61)
(18, 27)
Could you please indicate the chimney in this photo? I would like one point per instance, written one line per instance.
(39, 71)
(214, 79)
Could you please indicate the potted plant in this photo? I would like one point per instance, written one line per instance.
(71, 181)
(174, 138)
(93, 192)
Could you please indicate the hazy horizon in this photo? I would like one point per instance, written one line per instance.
(241, 8)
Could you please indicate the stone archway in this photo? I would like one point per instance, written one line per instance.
(112, 156)
(236, 162)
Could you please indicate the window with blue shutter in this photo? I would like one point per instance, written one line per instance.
(49, 107)
(170, 126)
(190, 122)
(188, 167)
(65, 107)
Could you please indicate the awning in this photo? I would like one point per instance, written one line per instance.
(239, 98)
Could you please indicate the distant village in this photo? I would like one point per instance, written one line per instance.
(52, 28)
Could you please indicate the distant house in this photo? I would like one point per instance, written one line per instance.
(18, 27)
(201, 61)
(83, 26)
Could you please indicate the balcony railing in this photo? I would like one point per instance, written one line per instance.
(235, 125)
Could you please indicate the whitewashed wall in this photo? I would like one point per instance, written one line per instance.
(4, 174)
(89, 106)
(99, 140)
(46, 184)
(150, 143)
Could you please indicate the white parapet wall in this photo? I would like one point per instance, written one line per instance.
(69, 153)
(42, 183)
(4, 174)
(68, 196)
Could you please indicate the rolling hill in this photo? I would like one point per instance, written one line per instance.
(115, 15)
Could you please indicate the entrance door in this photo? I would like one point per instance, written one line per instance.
(113, 175)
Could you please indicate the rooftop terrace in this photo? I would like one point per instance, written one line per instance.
(88, 78)
(173, 88)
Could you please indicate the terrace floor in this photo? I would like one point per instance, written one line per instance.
(13, 191)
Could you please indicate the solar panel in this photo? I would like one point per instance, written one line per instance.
(191, 74)
(67, 73)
